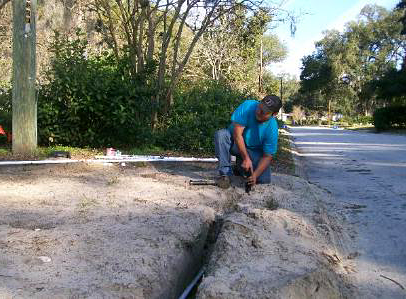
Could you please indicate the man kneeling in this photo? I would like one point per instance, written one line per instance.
(252, 137)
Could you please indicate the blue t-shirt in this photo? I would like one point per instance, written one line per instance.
(257, 136)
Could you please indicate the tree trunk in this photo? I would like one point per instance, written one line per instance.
(24, 75)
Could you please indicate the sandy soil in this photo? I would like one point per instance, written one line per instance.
(281, 243)
(99, 231)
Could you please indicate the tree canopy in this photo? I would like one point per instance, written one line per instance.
(352, 68)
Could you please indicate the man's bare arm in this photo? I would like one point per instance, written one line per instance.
(262, 165)
(239, 141)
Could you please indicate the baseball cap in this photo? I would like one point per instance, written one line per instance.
(271, 103)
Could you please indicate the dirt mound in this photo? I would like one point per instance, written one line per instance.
(280, 243)
(89, 231)
(102, 231)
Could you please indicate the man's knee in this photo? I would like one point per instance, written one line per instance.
(223, 134)
(266, 180)
(265, 177)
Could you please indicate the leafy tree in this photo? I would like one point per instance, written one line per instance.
(401, 6)
(284, 86)
(345, 64)
(157, 31)
(391, 87)
(317, 77)
(90, 101)
(229, 51)
(373, 47)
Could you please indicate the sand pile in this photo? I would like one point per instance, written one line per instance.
(94, 231)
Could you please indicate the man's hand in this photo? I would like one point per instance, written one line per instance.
(252, 180)
(247, 165)
(263, 164)
(239, 141)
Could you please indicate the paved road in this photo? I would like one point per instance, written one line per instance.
(366, 171)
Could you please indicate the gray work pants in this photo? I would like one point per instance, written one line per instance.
(225, 147)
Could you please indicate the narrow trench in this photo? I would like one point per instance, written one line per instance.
(194, 281)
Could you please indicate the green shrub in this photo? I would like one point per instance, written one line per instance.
(197, 113)
(363, 119)
(359, 119)
(389, 117)
(91, 100)
(5, 107)
(281, 123)
(347, 120)
(3, 139)
(94, 101)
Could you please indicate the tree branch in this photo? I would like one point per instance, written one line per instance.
(3, 3)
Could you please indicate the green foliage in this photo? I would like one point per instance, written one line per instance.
(74, 151)
(5, 106)
(358, 119)
(391, 88)
(273, 49)
(196, 115)
(365, 119)
(345, 65)
(91, 100)
(283, 85)
(389, 117)
(3, 139)
(146, 149)
(229, 51)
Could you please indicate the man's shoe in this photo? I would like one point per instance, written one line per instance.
(223, 182)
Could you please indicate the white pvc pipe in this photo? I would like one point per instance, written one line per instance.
(114, 159)
(38, 162)
(139, 158)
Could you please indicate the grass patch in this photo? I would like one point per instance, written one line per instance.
(368, 127)
(4, 151)
(158, 151)
(112, 181)
(45, 152)
(271, 204)
(85, 204)
(283, 160)
(145, 150)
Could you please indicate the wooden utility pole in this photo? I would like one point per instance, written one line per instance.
(24, 74)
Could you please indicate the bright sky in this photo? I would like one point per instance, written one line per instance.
(321, 15)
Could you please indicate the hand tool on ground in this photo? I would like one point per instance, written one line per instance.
(203, 182)
(246, 174)
(60, 154)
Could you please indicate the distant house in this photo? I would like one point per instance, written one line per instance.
(337, 116)
(284, 116)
